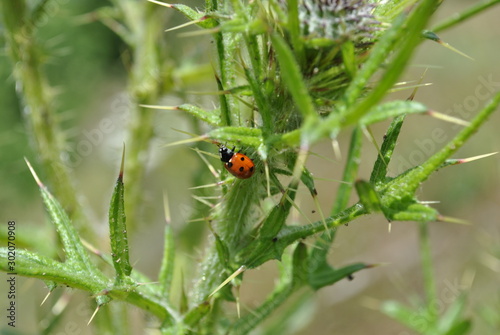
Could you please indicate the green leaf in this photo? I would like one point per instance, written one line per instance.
(379, 53)
(240, 136)
(461, 328)
(390, 110)
(379, 171)
(350, 172)
(118, 229)
(73, 247)
(196, 314)
(33, 265)
(406, 184)
(452, 317)
(212, 117)
(292, 77)
(167, 264)
(324, 275)
(265, 247)
(293, 24)
(308, 180)
(412, 319)
(349, 58)
(299, 265)
(368, 196)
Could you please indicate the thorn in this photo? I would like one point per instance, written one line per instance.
(200, 32)
(442, 218)
(162, 3)
(208, 185)
(166, 208)
(287, 197)
(207, 163)
(203, 201)
(448, 46)
(369, 135)
(327, 230)
(471, 159)
(93, 315)
(412, 95)
(429, 202)
(189, 140)
(186, 24)
(231, 277)
(336, 149)
(170, 108)
(268, 181)
(35, 176)
(91, 248)
(122, 166)
(448, 118)
(334, 180)
(46, 297)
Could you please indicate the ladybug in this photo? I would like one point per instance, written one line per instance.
(238, 164)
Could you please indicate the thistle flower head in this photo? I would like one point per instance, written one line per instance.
(337, 20)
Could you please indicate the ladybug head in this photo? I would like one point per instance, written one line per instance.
(225, 153)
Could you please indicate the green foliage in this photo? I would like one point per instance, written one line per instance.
(284, 84)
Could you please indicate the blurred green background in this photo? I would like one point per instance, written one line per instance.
(88, 70)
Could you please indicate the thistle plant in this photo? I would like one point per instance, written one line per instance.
(289, 74)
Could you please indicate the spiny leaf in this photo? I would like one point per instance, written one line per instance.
(167, 264)
(392, 109)
(73, 247)
(118, 229)
(379, 171)
(292, 77)
(325, 275)
(239, 136)
(408, 182)
(34, 265)
(211, 117)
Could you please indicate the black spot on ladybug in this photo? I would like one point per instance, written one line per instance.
(251, 169)
(229, 164)
(242, 159)
(241, 168)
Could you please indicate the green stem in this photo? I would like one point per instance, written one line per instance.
(426, 258)
(467, 14)
(145, 87)
(415, 177)
(24, 51)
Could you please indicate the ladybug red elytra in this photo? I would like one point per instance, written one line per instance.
(238, 164)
